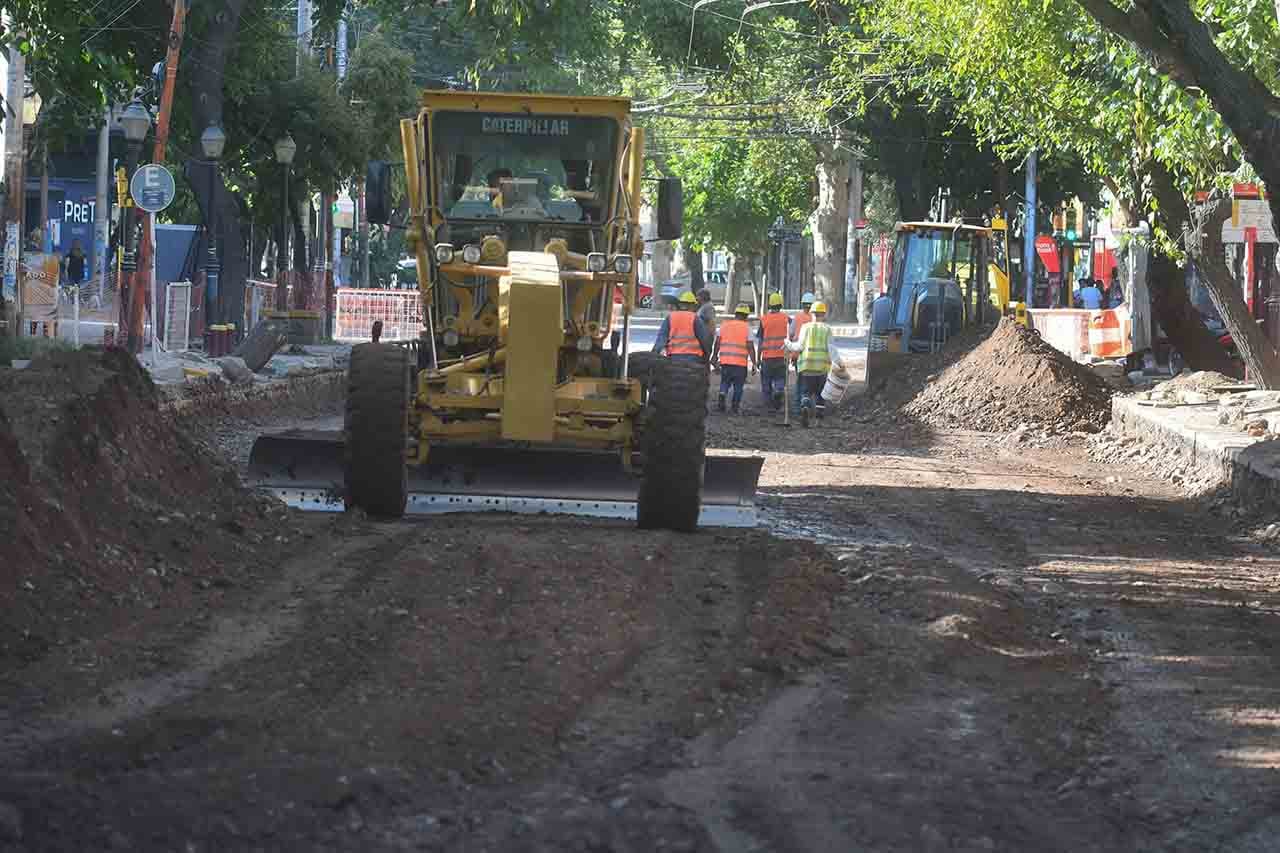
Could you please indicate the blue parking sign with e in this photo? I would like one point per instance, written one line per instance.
(152, 188)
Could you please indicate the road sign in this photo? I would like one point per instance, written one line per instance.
(1047, 249)
(152, 188)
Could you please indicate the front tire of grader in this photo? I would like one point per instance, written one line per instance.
(374, 430)
(674, 446)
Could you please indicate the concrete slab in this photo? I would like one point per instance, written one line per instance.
(1248, 466)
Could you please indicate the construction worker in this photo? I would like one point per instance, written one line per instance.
(817, 349)
(682, 334)
(802, 319)
(733, 349)
(772, 336)
(707, 310)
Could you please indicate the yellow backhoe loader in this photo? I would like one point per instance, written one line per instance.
(946, 276)
(520, 395)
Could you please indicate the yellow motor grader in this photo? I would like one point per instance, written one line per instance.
(520, 394)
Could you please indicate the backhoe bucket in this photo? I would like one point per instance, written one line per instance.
(305, 469)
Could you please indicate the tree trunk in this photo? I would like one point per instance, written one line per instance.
(1260, 357)
(210, 53)
(831, 227)
(1178, 43)
(1180, 320)
(734, 284)
(661, 254)
(301, 278)
(1186, 329)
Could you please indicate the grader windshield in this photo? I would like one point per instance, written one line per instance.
(511, 167)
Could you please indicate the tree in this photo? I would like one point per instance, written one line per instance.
(1184, 48)
(1096, 101)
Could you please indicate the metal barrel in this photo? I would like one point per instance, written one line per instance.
(312, 462)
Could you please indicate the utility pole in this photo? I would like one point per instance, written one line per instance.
(303, 33)
(331, 280)
(143, 276)
(45, 237)
(1029, 231)
(14, 179)
(102, 206)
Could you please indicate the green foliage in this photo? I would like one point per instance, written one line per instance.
(734, 190)
(1040, 74)
(386, 248)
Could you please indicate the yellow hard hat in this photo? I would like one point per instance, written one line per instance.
(743, 308)
(687, 298)
(819, 308)
(775, 298)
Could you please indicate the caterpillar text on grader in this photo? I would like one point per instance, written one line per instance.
(524, 219)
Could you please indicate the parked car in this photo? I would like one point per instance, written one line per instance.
(644, 295)
(717, 281)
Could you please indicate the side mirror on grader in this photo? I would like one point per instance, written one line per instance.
(670, 208)
(377, 192)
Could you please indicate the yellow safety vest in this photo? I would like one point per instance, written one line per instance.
(815, 357)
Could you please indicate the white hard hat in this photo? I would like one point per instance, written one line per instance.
(808, 297)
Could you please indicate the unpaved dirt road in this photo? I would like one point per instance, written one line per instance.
(940, 642)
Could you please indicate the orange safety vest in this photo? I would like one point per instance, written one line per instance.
(774, 325)
(682, 340)
(803, 319)
(733, 342)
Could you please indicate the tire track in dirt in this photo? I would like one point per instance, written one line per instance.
(273, 618)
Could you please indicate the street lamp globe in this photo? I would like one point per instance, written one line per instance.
(285, 149)
(213, 140)
(136, 121)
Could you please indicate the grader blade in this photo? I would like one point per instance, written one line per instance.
(305, 469)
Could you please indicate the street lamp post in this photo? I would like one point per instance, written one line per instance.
(212, 141)
(136, 121)
(285, 149)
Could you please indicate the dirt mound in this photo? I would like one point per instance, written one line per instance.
(888, 395)
(1014, 379)
(106, 506)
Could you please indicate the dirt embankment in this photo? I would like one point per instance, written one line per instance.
(108, 510)
(997, 381)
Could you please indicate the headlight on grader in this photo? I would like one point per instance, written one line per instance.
(444, 253)
(450, 338)
(622, 264)
(584, 343)
(471, 253)
(596, 262)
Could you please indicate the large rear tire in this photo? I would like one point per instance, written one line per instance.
(376, 424)
(674, 446)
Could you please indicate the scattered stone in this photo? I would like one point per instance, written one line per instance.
(235, 370)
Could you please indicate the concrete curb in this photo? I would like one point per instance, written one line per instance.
(1250, 468)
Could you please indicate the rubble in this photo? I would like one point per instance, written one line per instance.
(1014, 379)
(1170, 463)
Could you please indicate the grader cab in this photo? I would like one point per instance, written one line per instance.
(520, 394)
